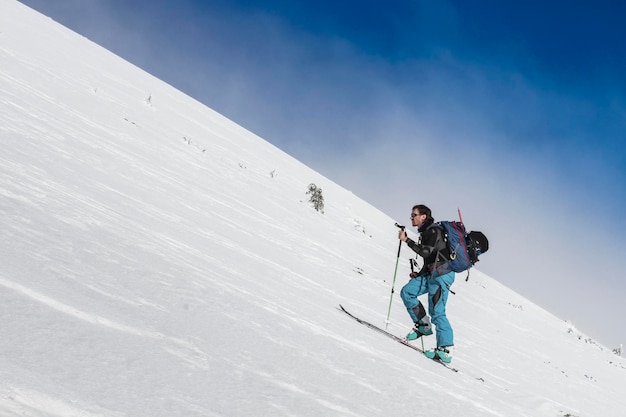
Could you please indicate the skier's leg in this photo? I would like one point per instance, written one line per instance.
(409, 293)
(438, 290)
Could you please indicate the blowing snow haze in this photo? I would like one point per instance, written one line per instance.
(157, 259)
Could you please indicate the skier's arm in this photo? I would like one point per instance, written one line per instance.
(427, 246)
(420, 249)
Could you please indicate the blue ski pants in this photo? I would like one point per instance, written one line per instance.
(437, 289)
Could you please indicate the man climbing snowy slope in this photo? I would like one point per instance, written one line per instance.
(432, 247)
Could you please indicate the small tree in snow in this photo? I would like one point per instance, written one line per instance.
(317, 199)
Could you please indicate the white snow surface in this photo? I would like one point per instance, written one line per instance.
(157, 259)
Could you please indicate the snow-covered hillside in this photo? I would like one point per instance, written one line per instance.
(156, 259)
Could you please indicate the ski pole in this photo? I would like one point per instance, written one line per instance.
(393, 284)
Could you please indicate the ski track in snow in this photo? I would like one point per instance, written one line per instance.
(184, 350)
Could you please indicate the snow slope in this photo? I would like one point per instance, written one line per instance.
(156, 259)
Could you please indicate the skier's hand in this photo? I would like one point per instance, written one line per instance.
(402, 235)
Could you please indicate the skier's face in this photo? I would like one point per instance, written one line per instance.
(417, 219)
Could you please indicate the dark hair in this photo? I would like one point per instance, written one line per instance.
(422, 209)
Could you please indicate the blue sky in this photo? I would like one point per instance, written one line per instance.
(514, 112)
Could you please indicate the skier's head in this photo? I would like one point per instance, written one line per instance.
(421, 215)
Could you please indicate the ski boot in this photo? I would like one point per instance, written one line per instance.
(421, 328)
(441, 353)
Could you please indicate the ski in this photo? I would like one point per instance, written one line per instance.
(394, 337)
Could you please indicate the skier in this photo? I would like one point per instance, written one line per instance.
(433, 249)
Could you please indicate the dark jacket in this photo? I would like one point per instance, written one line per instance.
(431, 246)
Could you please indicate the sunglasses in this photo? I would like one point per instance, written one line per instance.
(415, 215)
